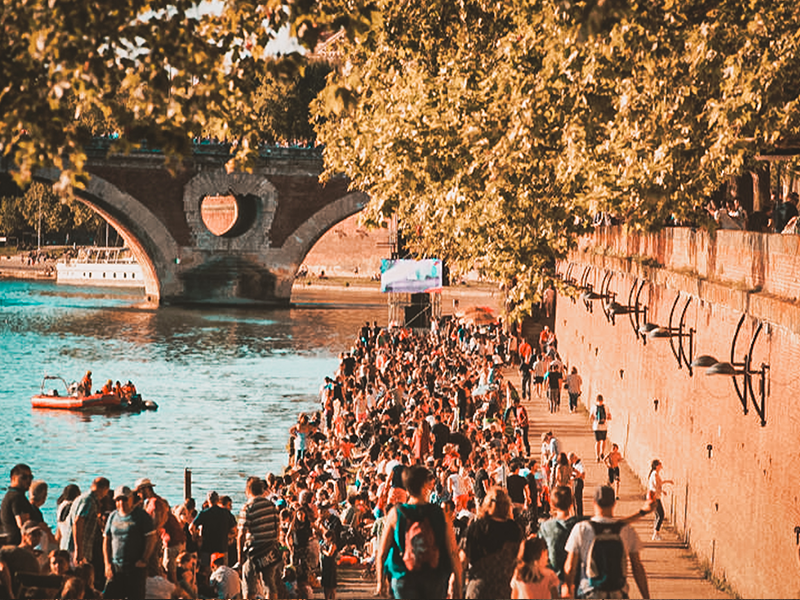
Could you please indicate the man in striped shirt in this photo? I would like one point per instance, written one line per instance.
(257, 541)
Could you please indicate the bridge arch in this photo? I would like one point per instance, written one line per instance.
(302, 240)
(144, 234)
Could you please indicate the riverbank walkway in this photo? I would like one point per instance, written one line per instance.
(672, 571)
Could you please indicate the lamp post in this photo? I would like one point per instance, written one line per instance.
(742, 368)
(679, 332)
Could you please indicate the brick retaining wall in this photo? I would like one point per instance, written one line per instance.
(737, 503)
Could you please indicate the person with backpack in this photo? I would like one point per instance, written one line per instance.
(417, 551)
(598, 551)
(490, 546)
(600, 417)
(555, 531)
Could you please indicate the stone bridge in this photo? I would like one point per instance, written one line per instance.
(206, 236)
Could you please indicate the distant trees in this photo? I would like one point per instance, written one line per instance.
(62, 220)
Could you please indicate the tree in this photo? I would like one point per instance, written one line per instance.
(158, 71)
(494, 131)
(20, 214)
(497, 132)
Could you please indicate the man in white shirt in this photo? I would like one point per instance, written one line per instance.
(581, 543)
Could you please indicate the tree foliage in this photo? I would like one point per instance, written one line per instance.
(493, 130)
(39, 208)
(497, 130)
(157, 71)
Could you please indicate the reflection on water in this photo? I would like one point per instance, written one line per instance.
(229, 383)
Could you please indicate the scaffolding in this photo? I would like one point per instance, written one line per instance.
(406, 309)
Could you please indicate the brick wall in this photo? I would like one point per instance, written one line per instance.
(739, 505)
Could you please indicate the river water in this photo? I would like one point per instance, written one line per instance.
(228, 382)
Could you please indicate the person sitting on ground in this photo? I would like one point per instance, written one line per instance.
(23, 558)
(224, 580)
(6, 590)
(73, 587)
(59, 562)
(186, 573)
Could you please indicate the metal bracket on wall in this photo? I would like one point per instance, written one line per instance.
(681, 355)
(744, 368)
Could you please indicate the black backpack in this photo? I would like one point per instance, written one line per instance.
(601, 414)
(607, 562)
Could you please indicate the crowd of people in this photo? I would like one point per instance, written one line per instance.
(416, 469)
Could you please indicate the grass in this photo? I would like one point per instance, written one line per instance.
(719, 582)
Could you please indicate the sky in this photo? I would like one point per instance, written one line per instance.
(283, 42)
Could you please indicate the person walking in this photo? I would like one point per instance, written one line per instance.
(523, 423)
(539, 369)
(410, 573)
(655, 489)
(526, 357)
(128, 543)
(533, 577)
(578, 481)
(491, 543)
(573, 383)
(555, 531)
(612, 461)
(562, 472)
(600, 417)
(553, 380)
(596, 551)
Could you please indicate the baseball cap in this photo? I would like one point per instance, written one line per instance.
(604, 496)
(122, 491)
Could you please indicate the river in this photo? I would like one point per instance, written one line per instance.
(228, 383)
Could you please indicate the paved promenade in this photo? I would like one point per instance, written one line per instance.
(671, 570)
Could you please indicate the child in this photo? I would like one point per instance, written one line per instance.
(612, 462)
(533, 578)
(226, 581)
(290, 582)
(327, 559)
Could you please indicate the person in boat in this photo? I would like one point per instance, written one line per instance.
(108, 388)
(118, 389)
(85, 388)
(128, 391)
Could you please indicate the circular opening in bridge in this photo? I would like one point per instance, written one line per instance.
(228, 215)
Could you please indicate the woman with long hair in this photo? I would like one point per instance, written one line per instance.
(563, 472)
(533, 578)
(655, 488)
(64, 503)
(490, 545)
